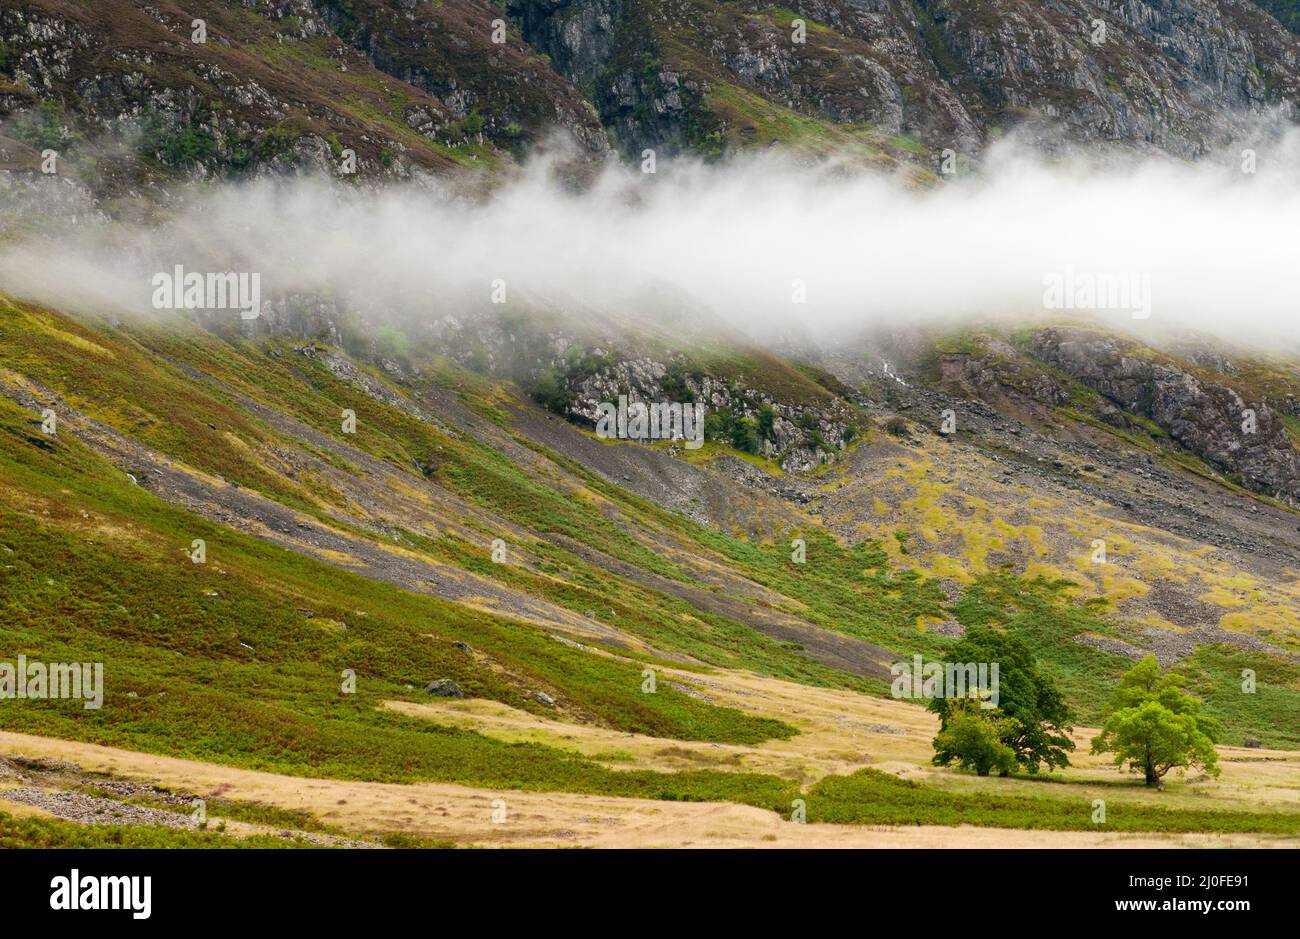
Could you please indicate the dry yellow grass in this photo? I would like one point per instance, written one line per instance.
(841, 731)
(464, 814)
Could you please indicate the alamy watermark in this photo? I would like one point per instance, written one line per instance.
(37, 680)
(927, 680)
(103, 892)
(638, 420)
(1125, 291)
(212, 291)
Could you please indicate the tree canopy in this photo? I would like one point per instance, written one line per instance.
(974, 740)
(1031, 718)
(1154, 725)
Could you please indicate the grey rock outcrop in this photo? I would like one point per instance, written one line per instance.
(444, 688)
(1244, 438)
(1180, 76)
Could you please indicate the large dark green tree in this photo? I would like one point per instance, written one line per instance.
(1031, 717)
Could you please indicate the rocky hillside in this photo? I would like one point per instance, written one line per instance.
(384, 565)
(357, 541)
(710, 76)
(133, 94)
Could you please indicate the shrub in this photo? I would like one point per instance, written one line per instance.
(974, 740)
(43, 127)
(744, 435)
(392, 343)
(276, 142)
(550, 391)
(675, 382)
(184, 146)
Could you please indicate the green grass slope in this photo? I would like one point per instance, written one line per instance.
(220, 661)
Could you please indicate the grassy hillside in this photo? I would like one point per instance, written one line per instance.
(372, 552)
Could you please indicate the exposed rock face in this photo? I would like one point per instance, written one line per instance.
(413, 86)
(572, 369)
(691, 75)
(984, 376)
(501, 90)
(797, 437)
(610, 50)
(1162, 74)
(1208, 418)
(948, 72)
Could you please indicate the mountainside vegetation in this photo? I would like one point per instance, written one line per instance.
(357, 574)
(371, 553)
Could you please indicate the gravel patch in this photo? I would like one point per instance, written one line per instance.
(1113, 646)
(950, 628)
(1171, 647)
(93, 810)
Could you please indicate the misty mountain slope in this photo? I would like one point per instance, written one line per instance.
(1224, 412)
(327, 551)
(446, 49)
(132, 104)
(905, 541)
(129, 99)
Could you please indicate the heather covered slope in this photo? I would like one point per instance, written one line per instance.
(372, 551)
(131, 101)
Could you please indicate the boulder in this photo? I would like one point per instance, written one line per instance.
(444, 688)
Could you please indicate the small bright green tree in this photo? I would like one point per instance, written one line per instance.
(1154, 725)
(973, 739)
